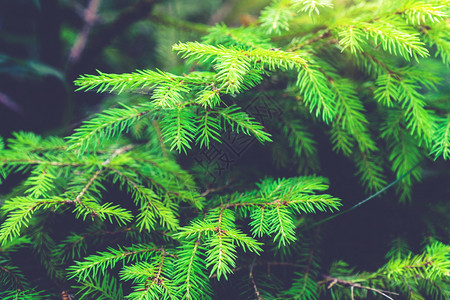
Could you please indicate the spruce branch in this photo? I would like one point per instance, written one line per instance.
(266, 58)
(370, 171)
(140, 79)
(96, 265)
(41, 181)
(318, 97)
(351, 114)
(404, 91)
(352, 38)
(346, 77)
(240, 121)
(20, 210)
(437, 35)
(301, 141)
(106, 125)
(102, 288)
(15, 277)
(241, 37)
(191, 279)
(208, 129)
(152, 280)
(331, 281)
(441, 139)
(178, 128)
(29, 294)
(305, 285)
(275, 18)
(396, 39)
(311, 6)
(421, 12)
(404, 274)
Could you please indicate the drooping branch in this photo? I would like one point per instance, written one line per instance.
(331, 281)
(252, 278)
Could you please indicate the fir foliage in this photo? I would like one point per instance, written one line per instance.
(421, 276)
(350, 75)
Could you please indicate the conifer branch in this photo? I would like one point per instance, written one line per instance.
(17, 279)
(109, 124)
(275, 18)
(239, 121)
(343, 82)
(20, 210)
(441, 139)
(313, 87)
(311, 6)
(97, 264)
(332, 281)
(105, 287)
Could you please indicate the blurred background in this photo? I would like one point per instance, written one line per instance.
(45, 45)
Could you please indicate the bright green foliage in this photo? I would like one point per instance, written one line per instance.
(273, 206)
(65, 181)
(441, 137)
(276, 17)
(104, 288)
(422, 276)
(311, 6)
(358, 80)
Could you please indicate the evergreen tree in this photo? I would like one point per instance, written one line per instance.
(141, 218)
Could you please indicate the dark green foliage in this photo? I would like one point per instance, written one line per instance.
(140, 221)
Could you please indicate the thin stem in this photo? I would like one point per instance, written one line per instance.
(258, 295)
(324, 35)
(160, 138)
(333, 280)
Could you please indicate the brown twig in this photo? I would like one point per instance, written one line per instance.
(331, 281)
(258, 295)
(161, 263)
(212, 190)
(87, 186)
(98, 172)
(384, 66)
(323, 35)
